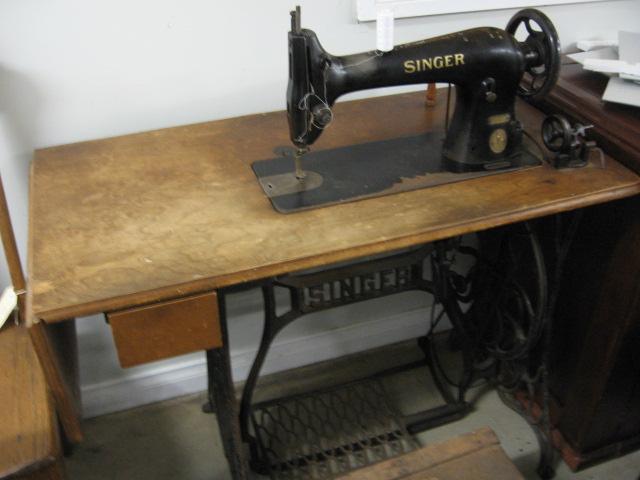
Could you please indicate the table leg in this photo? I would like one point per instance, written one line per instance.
(227, 412)
(209, 406)
(67, 404)
(222, 395)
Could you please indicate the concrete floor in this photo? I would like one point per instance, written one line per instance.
(175, 440)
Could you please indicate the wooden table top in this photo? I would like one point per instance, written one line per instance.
(140, 218)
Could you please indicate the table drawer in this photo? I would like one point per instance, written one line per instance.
(166, 329)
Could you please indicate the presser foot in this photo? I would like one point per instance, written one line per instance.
(291, 182)
(298, 181)
(297, 160)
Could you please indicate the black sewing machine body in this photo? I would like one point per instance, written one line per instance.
(484, 137)
(486, 65)
(483, 128)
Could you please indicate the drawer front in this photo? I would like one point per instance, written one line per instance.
(166, 329)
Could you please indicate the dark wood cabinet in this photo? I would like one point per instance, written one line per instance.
(595, 362)
(595, 359)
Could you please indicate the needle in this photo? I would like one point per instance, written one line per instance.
(300, 174)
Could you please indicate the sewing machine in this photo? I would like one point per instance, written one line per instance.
(488, 66)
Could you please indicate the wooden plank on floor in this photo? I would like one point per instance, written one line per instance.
(474, 456)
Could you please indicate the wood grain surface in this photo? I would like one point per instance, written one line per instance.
(28, 428)
(130, 220)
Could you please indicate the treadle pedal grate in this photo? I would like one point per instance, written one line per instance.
(329, 432)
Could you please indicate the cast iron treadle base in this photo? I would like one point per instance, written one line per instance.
(329, 432)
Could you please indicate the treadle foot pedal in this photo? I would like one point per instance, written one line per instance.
(328, 432)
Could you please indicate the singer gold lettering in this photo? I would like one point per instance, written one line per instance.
(433, 63)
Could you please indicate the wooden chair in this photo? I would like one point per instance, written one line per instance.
(51, 358)
(35, 386)
(29, 440)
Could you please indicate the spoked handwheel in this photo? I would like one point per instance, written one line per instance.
(542, 52)
(557, 133)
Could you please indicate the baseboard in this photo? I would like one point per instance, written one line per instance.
(189, 376)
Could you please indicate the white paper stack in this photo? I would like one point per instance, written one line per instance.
(622, 64)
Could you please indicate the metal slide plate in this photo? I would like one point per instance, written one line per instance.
(363, 171)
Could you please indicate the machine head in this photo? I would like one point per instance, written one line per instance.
(308, 106)
(489, 67)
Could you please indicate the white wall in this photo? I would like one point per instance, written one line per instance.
(73, 70)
